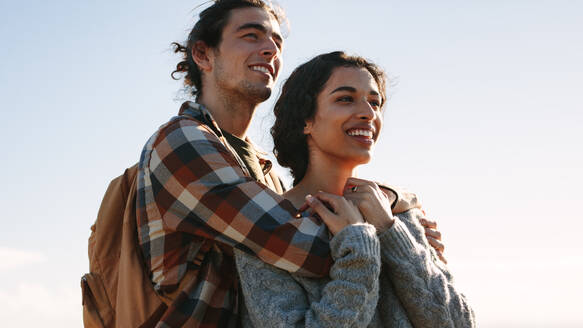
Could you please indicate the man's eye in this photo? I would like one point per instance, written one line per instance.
(251, 36)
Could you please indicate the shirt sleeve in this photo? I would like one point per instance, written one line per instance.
(422, 282)
(198, 188)
(275, 298)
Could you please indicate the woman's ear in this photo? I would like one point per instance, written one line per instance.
(308, 127)
(201, 54)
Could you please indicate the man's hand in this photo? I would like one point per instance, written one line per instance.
(371, 201)
(433, 236)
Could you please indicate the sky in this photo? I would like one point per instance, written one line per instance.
(482, 123)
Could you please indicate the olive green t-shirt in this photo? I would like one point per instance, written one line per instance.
(248, 155)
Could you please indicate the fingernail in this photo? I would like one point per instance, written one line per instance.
(309, 198)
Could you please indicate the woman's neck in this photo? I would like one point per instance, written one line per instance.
(321, 175)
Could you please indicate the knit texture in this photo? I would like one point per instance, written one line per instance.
(348, 298)
(416, 288)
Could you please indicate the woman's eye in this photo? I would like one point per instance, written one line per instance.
(344, 99)
(375, 103)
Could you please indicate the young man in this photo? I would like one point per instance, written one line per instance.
(198, 195)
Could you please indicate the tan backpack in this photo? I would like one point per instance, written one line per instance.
(117, 292)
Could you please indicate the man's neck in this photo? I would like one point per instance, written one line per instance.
(232, 114)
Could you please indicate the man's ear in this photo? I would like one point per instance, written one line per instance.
(201, 54)
(308, 127)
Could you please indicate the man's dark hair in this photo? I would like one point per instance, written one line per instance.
(209, 29)
(297, 103)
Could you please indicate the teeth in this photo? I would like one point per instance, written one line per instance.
(360, 132)
(260, 69)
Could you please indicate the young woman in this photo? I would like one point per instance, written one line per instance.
(385, 274)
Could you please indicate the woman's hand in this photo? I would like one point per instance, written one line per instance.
(336, 211)
(372, 202)
(433, 236)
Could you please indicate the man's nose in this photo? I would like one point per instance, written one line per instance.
(270, 49)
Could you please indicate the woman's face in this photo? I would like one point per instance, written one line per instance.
(348, 119)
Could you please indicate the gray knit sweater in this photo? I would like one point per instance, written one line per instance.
(406, 285)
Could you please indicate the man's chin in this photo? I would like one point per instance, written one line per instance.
(265, 94)
(258, 93)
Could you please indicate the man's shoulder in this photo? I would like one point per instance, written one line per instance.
(182, 128)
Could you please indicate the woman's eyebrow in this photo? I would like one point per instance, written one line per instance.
(352, 89)
(344, 88)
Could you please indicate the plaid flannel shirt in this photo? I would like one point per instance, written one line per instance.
(196, 201)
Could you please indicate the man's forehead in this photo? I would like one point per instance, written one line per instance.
(253, 16)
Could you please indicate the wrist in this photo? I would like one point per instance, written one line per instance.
(384, 225)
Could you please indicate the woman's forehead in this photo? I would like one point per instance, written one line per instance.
(355, 77)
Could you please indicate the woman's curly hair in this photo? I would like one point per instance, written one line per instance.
(209, 29)
(297, 103)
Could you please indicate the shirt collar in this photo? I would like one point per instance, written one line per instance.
(201, 113)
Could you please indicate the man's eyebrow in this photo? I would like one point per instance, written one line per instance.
(344, 88)
(256, 26)
(261, 28)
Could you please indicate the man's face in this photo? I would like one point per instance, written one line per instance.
(248, 59)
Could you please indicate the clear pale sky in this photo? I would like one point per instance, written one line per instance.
(483, 124)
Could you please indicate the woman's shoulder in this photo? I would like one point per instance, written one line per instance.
(406, 207)
(402, 200)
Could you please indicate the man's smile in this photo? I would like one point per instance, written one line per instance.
(264, 68)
